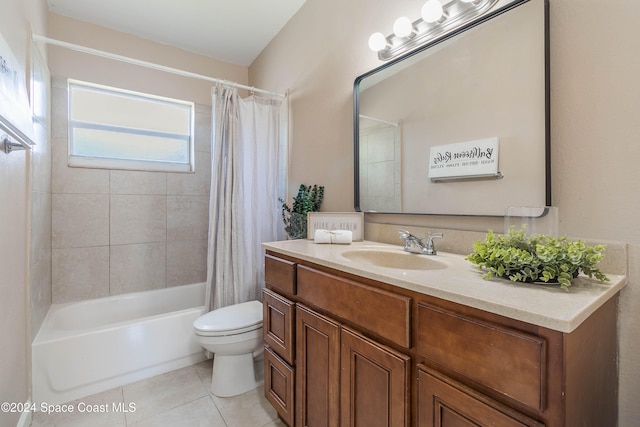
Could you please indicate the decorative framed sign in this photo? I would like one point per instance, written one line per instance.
(352, 221)
(470, 159)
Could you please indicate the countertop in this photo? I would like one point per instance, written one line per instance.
(544, 305)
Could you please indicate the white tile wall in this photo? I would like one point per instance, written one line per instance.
(137, 219)
(66, 180)
(187, 217)
(193, 184)
(186, 261)
(137, 267)
(80, 273)
(80, 220)
(40, 197)
(134, 182)
(116, 231)
(380, 177)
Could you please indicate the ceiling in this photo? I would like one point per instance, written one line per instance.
(234, 31)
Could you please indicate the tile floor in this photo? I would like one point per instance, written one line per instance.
(175, 399)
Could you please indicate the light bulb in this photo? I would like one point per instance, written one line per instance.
(402, 27)
(377, 42)
(432, 11)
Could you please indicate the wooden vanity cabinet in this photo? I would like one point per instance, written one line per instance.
(365, 353)
(342, 376)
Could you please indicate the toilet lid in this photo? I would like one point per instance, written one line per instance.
(232, 319)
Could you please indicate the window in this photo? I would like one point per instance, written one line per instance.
(119, 129)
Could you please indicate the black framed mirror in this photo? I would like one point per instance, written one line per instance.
(488, 80)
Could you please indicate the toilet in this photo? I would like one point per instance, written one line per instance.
(234, 335)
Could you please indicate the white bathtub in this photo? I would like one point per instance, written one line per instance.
(91, 346)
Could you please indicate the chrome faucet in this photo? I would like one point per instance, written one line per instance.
(416, 245)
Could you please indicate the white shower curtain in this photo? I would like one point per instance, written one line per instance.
(247, 178)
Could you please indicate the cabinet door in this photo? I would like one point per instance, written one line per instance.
(374, 384)
(317, 369)
(443, 402)
(278, 385)
(278, 326)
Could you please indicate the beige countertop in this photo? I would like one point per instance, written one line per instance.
(543, 305)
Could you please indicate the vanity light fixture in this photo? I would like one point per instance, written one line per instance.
(403, 27)
(432, 11)
(377, 42)
(437, 18)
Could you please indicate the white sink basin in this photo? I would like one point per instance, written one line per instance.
(397, 259)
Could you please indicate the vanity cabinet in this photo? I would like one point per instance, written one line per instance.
(345, 350)
(342, 376)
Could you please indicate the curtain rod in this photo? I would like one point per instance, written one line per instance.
(96, 52)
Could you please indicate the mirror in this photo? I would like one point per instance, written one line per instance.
(487, 81)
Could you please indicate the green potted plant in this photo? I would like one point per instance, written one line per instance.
(308, 199)
(536, 258)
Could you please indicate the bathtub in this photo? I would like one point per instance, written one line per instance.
(91, 346)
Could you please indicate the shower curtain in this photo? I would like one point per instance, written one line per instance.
(248, 175)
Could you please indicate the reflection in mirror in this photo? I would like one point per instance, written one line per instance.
(487, 81)
(380, 165)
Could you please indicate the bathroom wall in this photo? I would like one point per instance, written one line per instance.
(116, 231)
(16, 19)
(595, 97)
(40, 198)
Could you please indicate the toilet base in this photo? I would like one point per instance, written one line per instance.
(233, 375)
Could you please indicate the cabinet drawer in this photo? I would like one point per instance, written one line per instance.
(445, 402)
(278, 324)
(279, 385)
(280, 274)
(510, 362)
(384, 313)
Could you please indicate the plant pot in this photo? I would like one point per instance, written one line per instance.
(538, 281)
(297, 226)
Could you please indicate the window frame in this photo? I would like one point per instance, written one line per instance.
(100, 162)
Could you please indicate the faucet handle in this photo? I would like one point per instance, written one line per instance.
(429, 248)
(404, 234)
(430, 237)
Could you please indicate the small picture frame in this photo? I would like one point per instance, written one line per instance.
(353, 221)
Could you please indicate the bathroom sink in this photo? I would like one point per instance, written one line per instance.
(393, 259)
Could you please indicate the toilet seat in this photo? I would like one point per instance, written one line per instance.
(231, 320)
